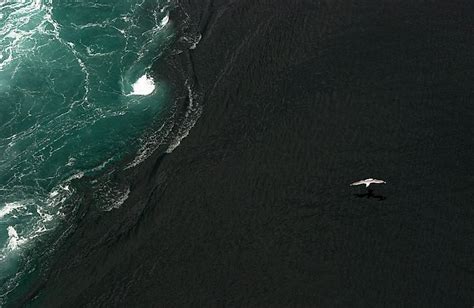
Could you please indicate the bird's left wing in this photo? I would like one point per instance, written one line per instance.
(357, 183)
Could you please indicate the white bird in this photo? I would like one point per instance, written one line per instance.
(368, 181)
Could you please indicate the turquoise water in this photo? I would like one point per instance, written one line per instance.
(76, 96)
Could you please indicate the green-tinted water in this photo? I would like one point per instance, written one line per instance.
(75, 96)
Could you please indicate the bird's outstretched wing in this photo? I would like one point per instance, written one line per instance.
(368, 181)
(358, 183)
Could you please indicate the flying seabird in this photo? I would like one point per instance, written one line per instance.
(368, 181)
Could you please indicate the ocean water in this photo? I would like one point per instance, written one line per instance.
(76, 96)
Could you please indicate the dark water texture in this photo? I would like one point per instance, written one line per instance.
(254, 208)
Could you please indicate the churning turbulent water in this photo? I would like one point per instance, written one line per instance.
(75, 97)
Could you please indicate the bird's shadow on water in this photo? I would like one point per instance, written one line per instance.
(370, 195)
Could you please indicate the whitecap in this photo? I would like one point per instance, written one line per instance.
(75, 176)
(164, 21)
(13, 238)
(10, 207)
(71, 162)
(196, 42)
(145, 85)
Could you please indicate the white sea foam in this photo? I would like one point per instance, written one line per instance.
(121, 199)
(71, 162)
(145, 85)
(151, 142)
(192, 115)
(114, 196)
(164, 21)
(9, 208)
(163, 135)
(196, 41)
(13, 238)
(75, 176)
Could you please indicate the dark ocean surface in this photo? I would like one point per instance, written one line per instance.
(254, 208)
